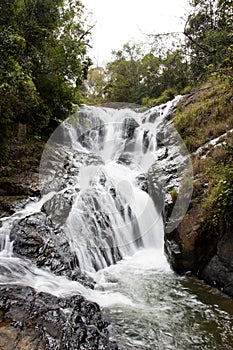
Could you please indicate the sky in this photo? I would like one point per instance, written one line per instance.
(119, 21)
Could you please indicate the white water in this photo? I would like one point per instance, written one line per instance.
(112, 219)
(110, 203)
(218, 141)
(110, 212)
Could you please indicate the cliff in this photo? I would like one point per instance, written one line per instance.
(203, 242)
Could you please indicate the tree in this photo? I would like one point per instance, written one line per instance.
(175, 71)
(135, 75)
(209, 33)
(43, 62)
(124, 74)
(95, 90)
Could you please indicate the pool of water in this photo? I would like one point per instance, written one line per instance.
(164, 310)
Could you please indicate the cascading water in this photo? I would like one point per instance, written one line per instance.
(115, 230)
(111, 216)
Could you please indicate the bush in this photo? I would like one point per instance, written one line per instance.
(218, 206)
(166, 96)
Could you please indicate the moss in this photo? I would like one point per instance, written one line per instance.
(216, 172)
(203, 115)
(218, 205)
(174, 194)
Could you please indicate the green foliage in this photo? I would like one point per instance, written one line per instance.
(95, 86)
(209, 116)
(225, 71)
(187, 89)
(124, 75)
(166, 96)
(197, 188)
(228, 148)
(139, 77)
(218, 205)
(174, 194)
(209, 36)
(42, 63)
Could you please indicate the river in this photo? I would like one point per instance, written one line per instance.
(116, 230)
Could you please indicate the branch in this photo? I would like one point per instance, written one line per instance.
(211, 52)
(87, 32)
(198, 45)
(163, 34)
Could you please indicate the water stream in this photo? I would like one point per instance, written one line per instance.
(116, 231)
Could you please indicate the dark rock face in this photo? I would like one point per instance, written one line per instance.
(20, 185)
(219, 271)
(142, 182)
(20, 176)
(10, 204)
(39, 321)
(129, 126)
(36, 239)
(189, 247)
(58, 207)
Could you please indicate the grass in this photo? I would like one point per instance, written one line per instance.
(205, 114)
(208, 115)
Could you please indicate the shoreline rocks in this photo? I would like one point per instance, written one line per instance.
(39, 321)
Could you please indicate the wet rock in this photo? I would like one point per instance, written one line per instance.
(180, 243)
(55, 164)
(152, 117)
(192, 248)
(146, 141)
(13, 339)
(128, 128)
(36, 239)
(61, 134)
(142, 182)
(87, 137)
(58, 207)
(39, 321)
(125, 158)
(219, 271)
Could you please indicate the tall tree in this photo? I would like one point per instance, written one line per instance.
(209, 33)
(134, 74)
(43, 61)
(124, 74)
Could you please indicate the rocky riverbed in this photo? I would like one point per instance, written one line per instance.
(36, 320)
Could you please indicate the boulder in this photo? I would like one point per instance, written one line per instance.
(219, 271)
(189, 247)
(37, 321)
(36, 239)
(128, 128)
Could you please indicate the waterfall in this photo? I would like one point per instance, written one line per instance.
(111, 216)
(97, 162)
(104, 177)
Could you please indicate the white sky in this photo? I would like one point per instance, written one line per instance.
(118, 21)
